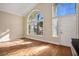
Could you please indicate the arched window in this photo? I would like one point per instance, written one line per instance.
(35, 23)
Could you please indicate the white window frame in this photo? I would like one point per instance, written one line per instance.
(28, 23)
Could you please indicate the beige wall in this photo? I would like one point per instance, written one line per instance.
(13, 23)
(46, 9)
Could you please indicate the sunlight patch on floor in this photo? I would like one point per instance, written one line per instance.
(14, 43)
(31, 51)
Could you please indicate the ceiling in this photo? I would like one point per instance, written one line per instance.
(20, 9)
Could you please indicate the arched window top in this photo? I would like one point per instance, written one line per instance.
(35, 14)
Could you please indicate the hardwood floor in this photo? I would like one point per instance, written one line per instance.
(28, 47)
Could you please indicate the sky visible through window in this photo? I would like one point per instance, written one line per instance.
(65, 9)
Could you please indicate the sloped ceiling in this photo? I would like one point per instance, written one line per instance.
(20, 9)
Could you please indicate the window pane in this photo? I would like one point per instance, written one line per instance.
(36, 23)
(55, 27)
(65, 9)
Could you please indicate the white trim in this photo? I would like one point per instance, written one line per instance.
(25, 13)
(42, 39)
(10, 12)
(28, 21)
(73, 51)
(19, 14)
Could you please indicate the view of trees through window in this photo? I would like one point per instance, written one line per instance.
(35, 22)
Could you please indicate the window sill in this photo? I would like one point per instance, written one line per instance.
(36, 35)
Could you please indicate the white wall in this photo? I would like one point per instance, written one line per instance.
(17, 30)
(70, 23)
(46, 9)
(11, 23)
(68, 27)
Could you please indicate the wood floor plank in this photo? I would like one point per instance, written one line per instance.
(29, 47)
